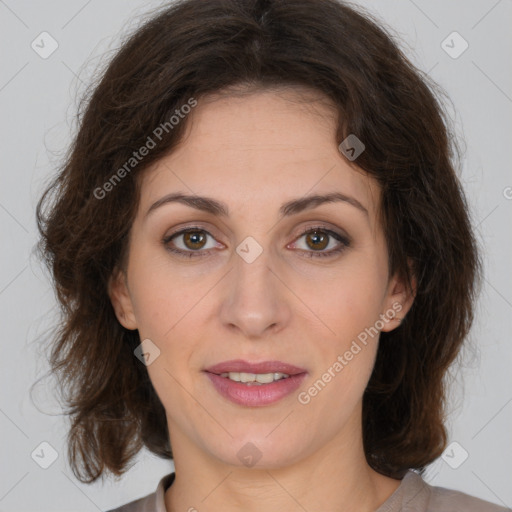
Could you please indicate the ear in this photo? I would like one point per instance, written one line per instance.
(398, 302)
(121, 299)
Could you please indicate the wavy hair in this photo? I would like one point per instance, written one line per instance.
(192, 48)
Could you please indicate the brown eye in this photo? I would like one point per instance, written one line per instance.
(189, 243)
(194, 239)
(319, 240)
(192, 243)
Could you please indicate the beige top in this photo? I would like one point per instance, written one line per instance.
(412, 495)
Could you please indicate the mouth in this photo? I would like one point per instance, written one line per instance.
(254, 379)
(263, 373)
(255, 384)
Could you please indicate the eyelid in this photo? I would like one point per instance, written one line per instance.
(208, 228)
(183, 230)
(338, 234)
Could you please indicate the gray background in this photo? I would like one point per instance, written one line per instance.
(38, 99)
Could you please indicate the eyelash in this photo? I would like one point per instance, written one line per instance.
(344, 243)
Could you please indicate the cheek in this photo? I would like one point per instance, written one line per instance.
(344, 358)
(160, 294)
(349, 304)
(348, 299)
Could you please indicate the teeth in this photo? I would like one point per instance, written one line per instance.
(255, 378)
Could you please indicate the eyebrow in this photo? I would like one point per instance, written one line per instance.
(220, 209)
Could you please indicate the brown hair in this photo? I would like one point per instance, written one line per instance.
(194, 48)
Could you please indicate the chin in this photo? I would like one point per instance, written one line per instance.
(260, 451)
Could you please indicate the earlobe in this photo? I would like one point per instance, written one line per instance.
(121, 300)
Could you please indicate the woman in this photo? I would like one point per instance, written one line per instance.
(265, 262)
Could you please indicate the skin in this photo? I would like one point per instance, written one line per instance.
(255, 152)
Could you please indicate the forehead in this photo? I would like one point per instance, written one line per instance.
(260, 148)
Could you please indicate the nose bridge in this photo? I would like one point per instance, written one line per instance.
(254, 301)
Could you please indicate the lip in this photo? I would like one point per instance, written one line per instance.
(253, 395)
(239, 365)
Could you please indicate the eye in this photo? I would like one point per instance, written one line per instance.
(319, 238)
(190, 242)
(193, 239)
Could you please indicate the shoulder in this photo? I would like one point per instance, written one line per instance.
(154, 502)
(449, 500)
(428, 498)
(145, 504)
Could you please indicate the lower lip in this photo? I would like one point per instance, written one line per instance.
(255, 395)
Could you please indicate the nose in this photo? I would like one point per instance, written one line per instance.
(256, 300)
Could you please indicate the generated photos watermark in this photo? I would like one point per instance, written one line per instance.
(151, 142)
(304, 397)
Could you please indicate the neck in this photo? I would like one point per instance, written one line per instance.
(335, 477)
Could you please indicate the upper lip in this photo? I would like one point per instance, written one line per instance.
(239, 365)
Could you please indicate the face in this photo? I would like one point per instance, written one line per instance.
(259, 283)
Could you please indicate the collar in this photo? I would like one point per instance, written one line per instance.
(410, 496)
